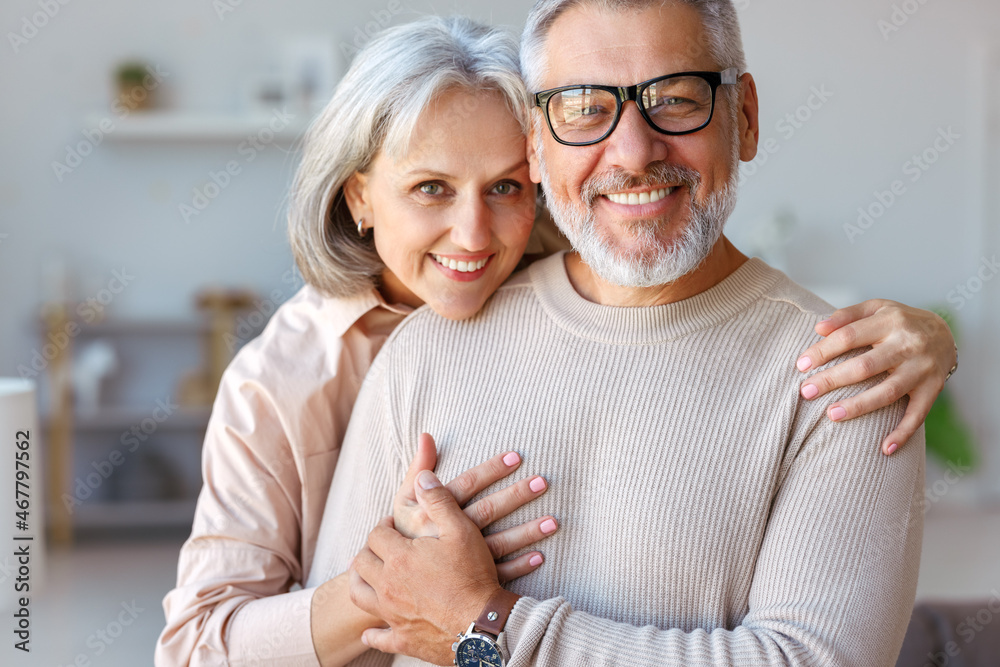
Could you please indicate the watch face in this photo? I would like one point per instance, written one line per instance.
(477, 652)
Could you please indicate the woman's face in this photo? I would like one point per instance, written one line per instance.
(452, 217)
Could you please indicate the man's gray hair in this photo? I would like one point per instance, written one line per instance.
(718, 17)
(376, 107)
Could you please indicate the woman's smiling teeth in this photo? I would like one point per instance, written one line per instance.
(637, 199)
(463, 267)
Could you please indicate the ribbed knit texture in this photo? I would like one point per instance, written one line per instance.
(708, 515)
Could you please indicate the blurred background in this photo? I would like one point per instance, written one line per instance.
(147, 153)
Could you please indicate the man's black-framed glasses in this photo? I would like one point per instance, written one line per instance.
(682, 103)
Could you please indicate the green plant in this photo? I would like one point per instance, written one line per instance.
(949, 437)
(131, 73)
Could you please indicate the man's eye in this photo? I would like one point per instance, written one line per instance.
(430, 188)
(674, 102)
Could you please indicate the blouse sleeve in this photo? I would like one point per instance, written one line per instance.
(232, 604)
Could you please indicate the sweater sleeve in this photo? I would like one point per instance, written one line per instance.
(232, 603)
(834, 581)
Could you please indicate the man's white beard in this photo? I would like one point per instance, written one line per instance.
(650, 261)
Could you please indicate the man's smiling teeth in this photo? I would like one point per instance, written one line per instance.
(636, 199)
(464, 267)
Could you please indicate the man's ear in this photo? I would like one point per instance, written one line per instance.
(534, 166)
(356, 196)
(749, 118)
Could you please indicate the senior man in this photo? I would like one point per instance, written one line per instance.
(708, 515)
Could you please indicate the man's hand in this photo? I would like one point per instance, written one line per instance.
(428, 589)
(915, 346)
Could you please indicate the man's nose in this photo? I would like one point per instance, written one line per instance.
(472, 226)
(634, 144)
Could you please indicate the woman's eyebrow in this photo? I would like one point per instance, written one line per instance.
(428, 173)
(431, 173)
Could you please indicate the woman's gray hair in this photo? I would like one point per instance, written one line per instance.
(718, 17)
(376, 107)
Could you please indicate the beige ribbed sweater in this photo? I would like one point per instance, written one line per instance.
(708, 515)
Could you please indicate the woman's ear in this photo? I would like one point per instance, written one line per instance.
(356, 196)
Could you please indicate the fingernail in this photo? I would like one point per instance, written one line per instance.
(512, 459)
(892, 449)
(810, 391)
(535, 560)
(838, 413)
(548, 526)
(427, 480)
(537, 484)
(805, 363)
(364, 640)
(826, 320)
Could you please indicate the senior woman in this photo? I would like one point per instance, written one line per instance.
(413, 189)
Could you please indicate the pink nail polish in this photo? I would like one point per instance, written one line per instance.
(837, 414)
(537, 484)
(810, 391)
(892, 449)
(548, 526)
(535, 560)
(512, 459)
(805, 363)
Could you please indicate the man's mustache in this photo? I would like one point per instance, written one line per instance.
(658, 173)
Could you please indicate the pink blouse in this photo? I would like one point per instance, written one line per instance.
(269, 457)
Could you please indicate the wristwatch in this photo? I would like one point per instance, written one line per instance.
(479, 646)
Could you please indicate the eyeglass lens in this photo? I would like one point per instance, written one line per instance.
(675, 104)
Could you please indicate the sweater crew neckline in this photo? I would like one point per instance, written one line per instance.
(650, 324)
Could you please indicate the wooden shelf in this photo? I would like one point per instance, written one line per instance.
(145, 328)
(136, 327)
(173, 126)
(114, 419)
(135, 514)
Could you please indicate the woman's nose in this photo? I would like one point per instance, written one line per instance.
(472, 227)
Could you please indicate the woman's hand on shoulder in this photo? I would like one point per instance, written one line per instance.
(412, 521)
(914, 346)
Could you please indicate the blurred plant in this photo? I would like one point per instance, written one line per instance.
(949, 437)
(131, 73)
(132, 78)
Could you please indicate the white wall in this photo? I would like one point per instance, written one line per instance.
(119, 208)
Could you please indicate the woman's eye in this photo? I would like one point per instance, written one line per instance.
(505, 188)
(430, 189)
